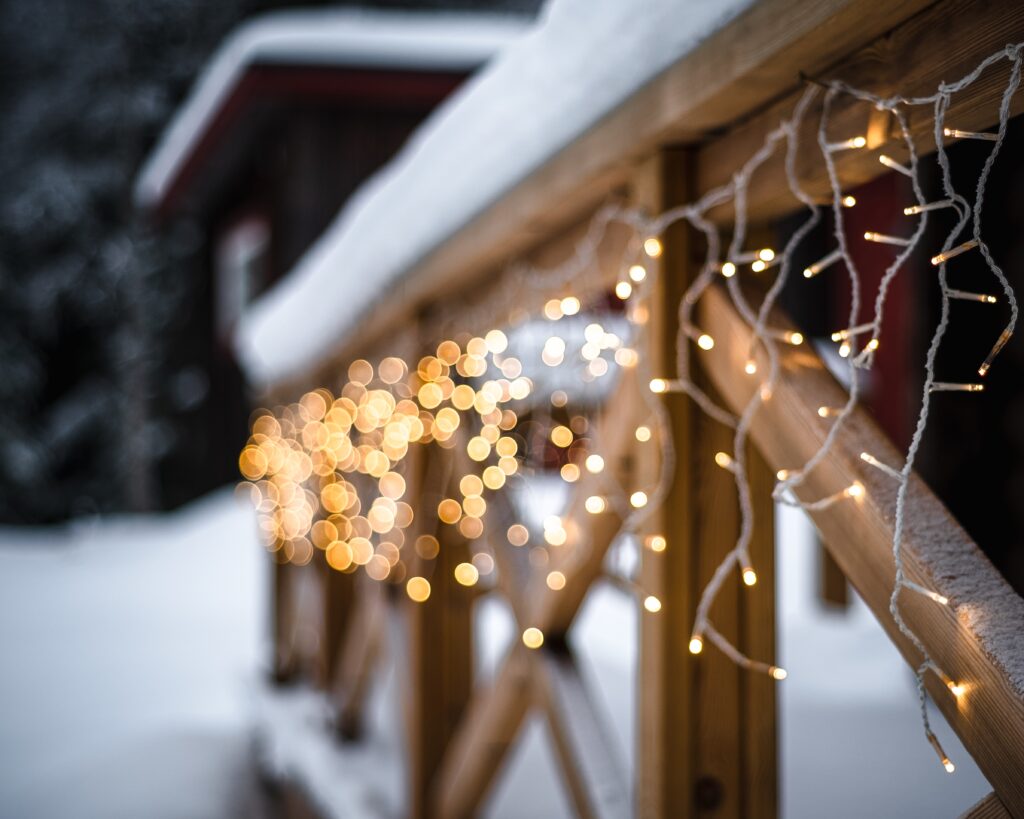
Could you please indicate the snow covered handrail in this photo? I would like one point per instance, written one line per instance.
(979, 636)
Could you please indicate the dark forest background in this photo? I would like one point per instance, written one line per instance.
(92, 301)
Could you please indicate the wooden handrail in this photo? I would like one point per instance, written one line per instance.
(978, 639)
(747, 64)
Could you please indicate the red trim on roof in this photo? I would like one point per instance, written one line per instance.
(290, 84)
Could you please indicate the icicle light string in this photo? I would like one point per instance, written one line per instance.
(638, 268)
(736, 190)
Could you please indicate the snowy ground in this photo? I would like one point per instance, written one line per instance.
(131, 654)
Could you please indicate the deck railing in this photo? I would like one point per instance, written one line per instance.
(706, 729)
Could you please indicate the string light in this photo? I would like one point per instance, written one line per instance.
(749, 576)
(941, 599)
(965, 296)
(913, 210)
(891, 163)
(826, 261)
(533, 637)
(868, 458)
(945, 256)
(847, 144)
(656, 543)
(943, 386)
(884, 239)
(320, 441)
(958, 134)
(652, 604)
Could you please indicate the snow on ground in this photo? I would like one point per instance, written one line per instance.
(542, 92)
(129, 648)
(131, 658)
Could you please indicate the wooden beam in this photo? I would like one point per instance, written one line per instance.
(590, 762)
(749, 62)
(496, 713)
(943, 43)
(987, 808)
(356, 662)
(706, 732)
(440, 675)
(978, 639)
(480, 746)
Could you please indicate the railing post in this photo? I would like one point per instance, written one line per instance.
(439, 645)
(706, 729)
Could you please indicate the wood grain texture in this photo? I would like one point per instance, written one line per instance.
(706, 732)
(987, 808)
(751, 61)
(941, 44)
(979, 638)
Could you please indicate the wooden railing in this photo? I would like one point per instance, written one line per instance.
(706, 729)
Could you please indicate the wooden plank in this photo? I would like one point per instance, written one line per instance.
(749, 62)
(591, 764)
(481, 744)
(440, 671)
(496, 713)
(356, 662)
(987, 808)
(943, 43)
(706, 732)
(338, 597)
(979, 638)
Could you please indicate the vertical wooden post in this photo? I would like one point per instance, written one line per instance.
(440, 676)
(706, 729)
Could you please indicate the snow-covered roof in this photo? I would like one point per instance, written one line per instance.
(582, 59)
(356, 38)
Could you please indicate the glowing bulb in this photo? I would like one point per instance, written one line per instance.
(855, 490)
(570, 305)
(758, 266)
(652, 604)
(723, 459)
(643, 434)
(949, 766)
(595, 504)
(555, 581)
(777, 673)
(705, 342)
(466, 574)
(638, 500)
(782, 474)
(844, 349)
(418, 589)
(889, 162)
(766, 254)
(533, 637)
(659, 385)
(623, 290)
(749, 576)
(849, 201)
(656, 543)
(594, 463)
(728, 270)
(696, 645)
(750, 367)
(638, 273)
(652, 247)
(796, 339)
(956, 688)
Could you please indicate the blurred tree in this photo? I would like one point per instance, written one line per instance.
(90, 302)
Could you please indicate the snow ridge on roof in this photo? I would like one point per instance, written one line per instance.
(543, 91)
(348, 37)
